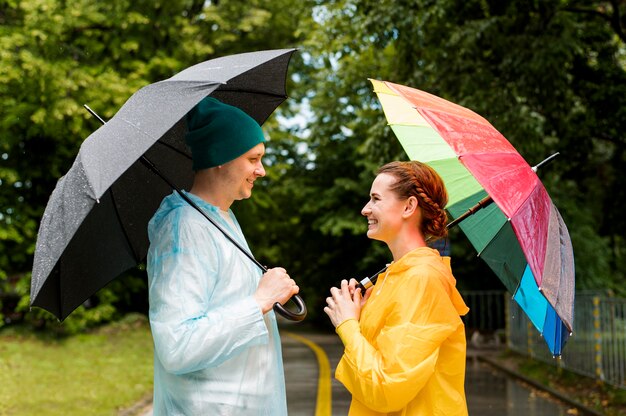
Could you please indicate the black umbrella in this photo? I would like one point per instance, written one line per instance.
(95, 224)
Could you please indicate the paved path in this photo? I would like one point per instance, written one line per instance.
(310, 359)
(305, 371)
(303, 353)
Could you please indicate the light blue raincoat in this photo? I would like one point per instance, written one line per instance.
(215, 352)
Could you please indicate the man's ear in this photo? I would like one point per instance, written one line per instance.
(410, 206)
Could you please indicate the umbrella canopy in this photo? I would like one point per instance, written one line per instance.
(522, 236)
(95, 224)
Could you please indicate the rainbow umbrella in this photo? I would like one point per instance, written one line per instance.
(521, 236)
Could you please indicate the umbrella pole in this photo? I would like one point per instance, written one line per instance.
(147, 163)
(302, 311)
(485, 202)
(368, 282)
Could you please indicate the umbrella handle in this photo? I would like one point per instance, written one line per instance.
(370, 281)
(297, 316)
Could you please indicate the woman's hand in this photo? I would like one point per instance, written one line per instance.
(352, 286)
(344, 304)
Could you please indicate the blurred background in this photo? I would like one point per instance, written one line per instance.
(549, 74)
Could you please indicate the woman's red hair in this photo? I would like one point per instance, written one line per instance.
(423, 182)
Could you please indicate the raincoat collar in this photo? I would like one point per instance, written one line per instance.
(175, 201)
(426, 255)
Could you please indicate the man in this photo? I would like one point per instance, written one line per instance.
(217, 348)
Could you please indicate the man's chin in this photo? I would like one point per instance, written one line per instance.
(245, 195)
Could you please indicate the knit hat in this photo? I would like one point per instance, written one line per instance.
(218, 133)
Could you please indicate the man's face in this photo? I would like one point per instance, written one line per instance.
(240, 173)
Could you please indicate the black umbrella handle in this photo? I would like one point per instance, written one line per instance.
(300, 313)
(297, 316)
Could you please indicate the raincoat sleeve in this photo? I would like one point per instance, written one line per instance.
(390, 371)
(194, 326)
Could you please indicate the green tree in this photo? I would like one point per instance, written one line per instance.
(549, 75)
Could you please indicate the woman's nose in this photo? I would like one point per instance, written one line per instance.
(366, 210)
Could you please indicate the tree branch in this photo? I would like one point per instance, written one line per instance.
(616, 141)
(614, 19)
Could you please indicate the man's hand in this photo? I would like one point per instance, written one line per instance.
(275, 286)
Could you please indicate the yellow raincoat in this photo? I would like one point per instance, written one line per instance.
(406, 356)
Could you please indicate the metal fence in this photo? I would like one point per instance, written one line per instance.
(597, 347)
(487, 311)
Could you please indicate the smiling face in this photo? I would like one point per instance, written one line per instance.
(239, 174)
(384, 210)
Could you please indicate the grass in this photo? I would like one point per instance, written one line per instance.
(97, 373)
(594, 394)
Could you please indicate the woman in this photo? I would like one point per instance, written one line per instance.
(404, 340)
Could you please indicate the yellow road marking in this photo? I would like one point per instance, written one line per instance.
(323, 406)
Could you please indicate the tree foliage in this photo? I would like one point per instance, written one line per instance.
(550, 75)
(57, 55)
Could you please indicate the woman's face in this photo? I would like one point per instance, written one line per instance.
(384, 210)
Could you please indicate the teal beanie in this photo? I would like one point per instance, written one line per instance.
(218, 133)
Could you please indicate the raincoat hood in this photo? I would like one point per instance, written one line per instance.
(425, 256)
(168, 205)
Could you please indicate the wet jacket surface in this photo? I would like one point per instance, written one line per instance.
(406, 356)
(215, 353)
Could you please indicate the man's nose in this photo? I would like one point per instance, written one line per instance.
(260, 170)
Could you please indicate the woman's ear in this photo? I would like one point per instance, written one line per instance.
(410, 206)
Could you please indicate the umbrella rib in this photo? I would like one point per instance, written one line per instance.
(260, 92)
(117, 214)
(169, 146)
